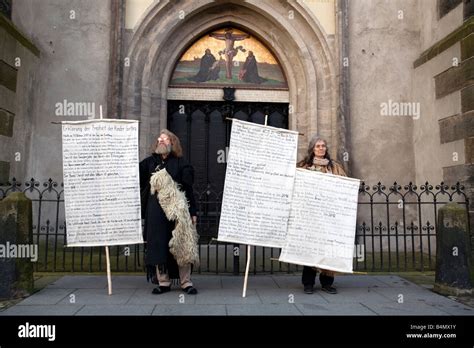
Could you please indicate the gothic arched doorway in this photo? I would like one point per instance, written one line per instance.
(217, 75)
(305, 51)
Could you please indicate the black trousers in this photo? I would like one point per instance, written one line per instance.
(309, 277)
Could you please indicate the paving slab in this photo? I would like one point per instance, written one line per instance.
(395, 281)
(207, 282)
(360, 281)
(287, 296)
(46, 297)
(353, 295)
(406, 308)
(263, 309)
(175, 296)
(115, 310)
(253, 282)
(288, 281)
(222, 295)
(98, 297)
(452, 307)
(183, 309)
(409, 294)
(129, 282)
(80, 282)
(227, 296)
(42, 310)
(334, 309)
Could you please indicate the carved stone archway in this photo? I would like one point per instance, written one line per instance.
(298, 41)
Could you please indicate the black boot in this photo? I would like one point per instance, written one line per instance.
(161, 290)
(326, 284)
(308, 279)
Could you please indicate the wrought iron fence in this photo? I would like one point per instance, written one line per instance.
(396, 231)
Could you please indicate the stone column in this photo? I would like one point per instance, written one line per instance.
(16, 246)
(454, 256)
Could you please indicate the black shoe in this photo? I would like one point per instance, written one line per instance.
(308, 289)
(329, 289)
(161, 290)
(190, 290)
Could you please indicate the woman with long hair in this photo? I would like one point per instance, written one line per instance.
(318, 159)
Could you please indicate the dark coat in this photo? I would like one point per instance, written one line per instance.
(250, 73)
(157, 230)
(204, 73)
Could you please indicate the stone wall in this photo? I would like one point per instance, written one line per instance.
(383, 47)
(19, 59)
(73, 37)
(432, 154)
(383, 44)
(444, 83)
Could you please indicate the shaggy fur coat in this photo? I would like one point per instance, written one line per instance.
(183, 243)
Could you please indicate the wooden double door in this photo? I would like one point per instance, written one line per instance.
(204, 130)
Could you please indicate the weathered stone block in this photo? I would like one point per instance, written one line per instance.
(456, 127)
(461, 173)
(468, 10)
(454, 267)
(455, 78)
(4, 171)
(467, 99)
(11, 29)
(445, 6)
(467, 47)
(457, 35)
(469, 145)
(16, 246)
(8, 76)
(6, 123)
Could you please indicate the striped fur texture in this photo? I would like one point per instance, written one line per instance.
(183, 244)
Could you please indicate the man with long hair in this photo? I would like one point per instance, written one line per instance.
(318, 159)
(161, 265)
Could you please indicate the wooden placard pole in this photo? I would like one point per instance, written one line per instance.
(107, 254)
(247, 267)
(109, 276)
(249, 249)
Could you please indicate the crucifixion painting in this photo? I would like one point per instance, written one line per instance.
(229, 51)
(217, 60)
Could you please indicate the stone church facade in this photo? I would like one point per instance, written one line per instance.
(388, 83)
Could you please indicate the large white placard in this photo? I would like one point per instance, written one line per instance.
(101, 182)
(322, 224)
(258, 185)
